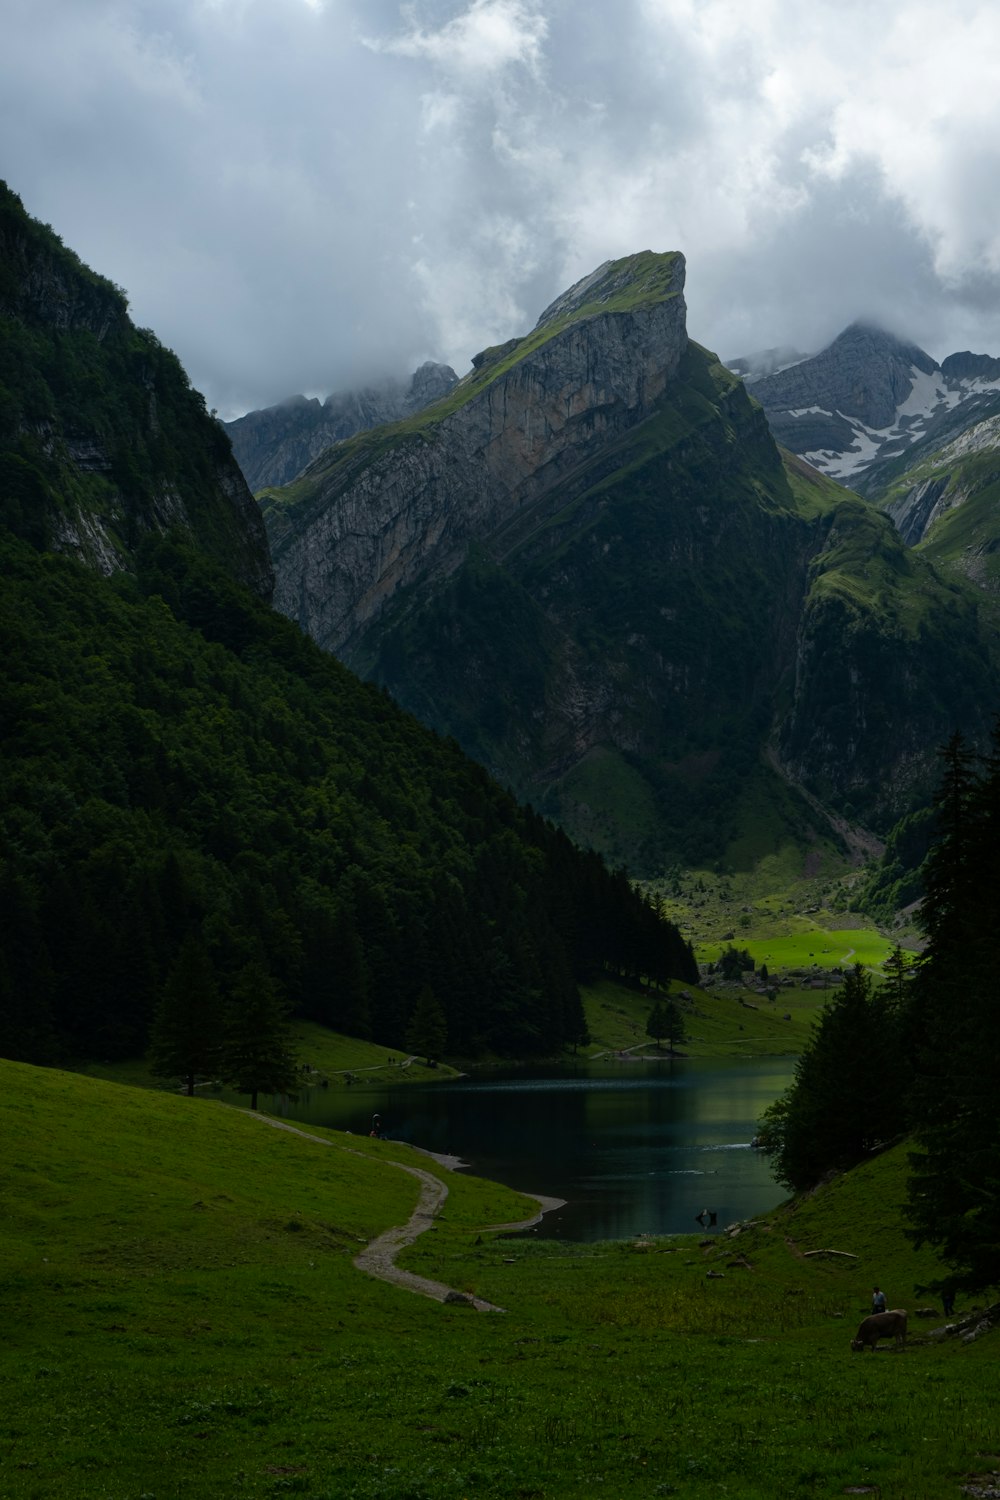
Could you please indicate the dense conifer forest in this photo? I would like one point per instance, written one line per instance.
(202, 813)
(919, 1054)
(189, 784)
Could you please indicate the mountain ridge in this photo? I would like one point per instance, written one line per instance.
(104, 440)
(507, 439)
(863, 401)
(590, 564)
(273, 445)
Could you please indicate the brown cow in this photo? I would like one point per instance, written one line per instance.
(885, 1325)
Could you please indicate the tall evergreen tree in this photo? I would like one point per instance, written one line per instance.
(954, 1193)
(187, 1030)
(676, 1030)
(656, 1026)
(427, 1032)
(846, 1100)
(258, 1053)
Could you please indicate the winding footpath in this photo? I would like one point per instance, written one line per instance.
(379, 1256)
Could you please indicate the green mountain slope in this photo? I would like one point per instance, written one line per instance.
(624, 660)
(189, 785)
(103, 440)
(947, 503)
(592, 566)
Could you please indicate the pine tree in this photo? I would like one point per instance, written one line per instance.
(258, 1051)
(676, 1030)
(656, 1026)
(954, 1192)
(186, 1033)
(846, 1100)
(427, 1032)
(898, 971)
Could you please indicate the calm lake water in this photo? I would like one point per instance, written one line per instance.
(635, 1147)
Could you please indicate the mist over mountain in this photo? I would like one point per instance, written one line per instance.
(272, 446)
(867, 399)
(591, 564)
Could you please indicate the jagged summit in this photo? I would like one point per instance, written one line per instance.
(646, 277)
(374, 514)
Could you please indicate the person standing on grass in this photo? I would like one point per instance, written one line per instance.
(878, 1300)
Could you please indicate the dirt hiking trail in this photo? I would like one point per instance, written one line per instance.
(379, 1257)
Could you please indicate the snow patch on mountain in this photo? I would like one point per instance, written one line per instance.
(832, 408)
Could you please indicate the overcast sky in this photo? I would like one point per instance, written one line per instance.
(299, 195)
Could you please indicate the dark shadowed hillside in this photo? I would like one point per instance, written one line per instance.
(592, 565)
(195, 798)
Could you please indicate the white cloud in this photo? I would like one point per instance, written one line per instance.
(487, 37)
(301, 193)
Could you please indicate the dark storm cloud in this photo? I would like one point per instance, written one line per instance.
(301, 194)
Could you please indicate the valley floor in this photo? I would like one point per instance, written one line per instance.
(184, 1317)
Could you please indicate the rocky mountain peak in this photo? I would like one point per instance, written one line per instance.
(374, 514)
(646, 277)
(966, 366)
(866, 399)
(866, 373)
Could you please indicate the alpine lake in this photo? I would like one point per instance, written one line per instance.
(633, 1146)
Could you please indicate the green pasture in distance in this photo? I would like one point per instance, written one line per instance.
(817, 948)
(718, 1023)
(330, 1054)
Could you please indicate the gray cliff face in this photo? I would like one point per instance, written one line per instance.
(274, 445)
(967, 366)
(915, 512)
(865, 373)
(381, 515)
(855, 410)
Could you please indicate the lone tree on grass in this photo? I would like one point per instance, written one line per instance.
(665, 1020)
(259, 1055)
(186, 1034)
(427, 1032)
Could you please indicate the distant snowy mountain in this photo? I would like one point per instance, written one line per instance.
(867, 398)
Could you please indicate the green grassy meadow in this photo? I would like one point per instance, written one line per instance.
(734, 1022)
(182, 1318)
(330, 1055)
(812, 948)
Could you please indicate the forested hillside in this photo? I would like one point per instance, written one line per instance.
(102, 439)
(195, 798)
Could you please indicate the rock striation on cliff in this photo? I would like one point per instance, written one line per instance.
(591, 565)
(103, 439)
(374, 514)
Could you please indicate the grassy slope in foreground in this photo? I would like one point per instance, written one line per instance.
(182, 1317)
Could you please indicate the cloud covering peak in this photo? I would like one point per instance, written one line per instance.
(300, 195)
